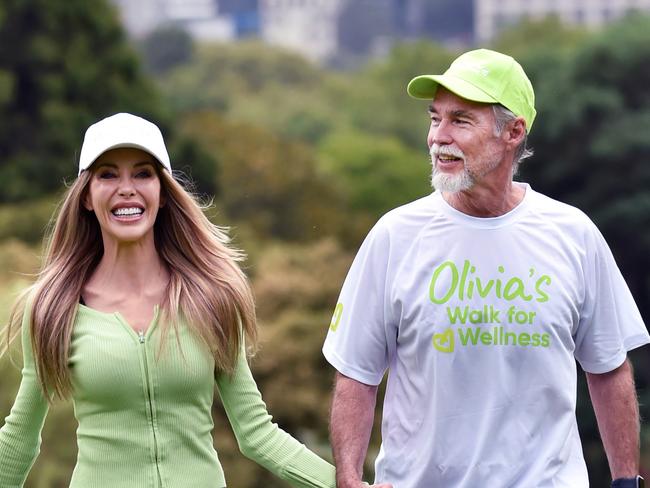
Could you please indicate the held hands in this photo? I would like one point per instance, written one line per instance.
(360, 484)
(352, 480)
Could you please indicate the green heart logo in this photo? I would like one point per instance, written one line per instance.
(444, 342)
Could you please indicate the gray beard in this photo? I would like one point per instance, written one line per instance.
(451, 183)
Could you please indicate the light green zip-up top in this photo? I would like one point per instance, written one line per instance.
(145, 417)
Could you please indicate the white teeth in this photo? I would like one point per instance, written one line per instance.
(127, 211)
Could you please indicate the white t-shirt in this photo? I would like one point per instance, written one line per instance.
(479, 322)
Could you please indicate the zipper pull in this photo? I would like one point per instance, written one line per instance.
(141, 336)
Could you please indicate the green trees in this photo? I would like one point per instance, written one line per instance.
(165, 48)
(269, 185)
(63, 65)
(372, 174)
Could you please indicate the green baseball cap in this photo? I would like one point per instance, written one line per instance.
(484, 76)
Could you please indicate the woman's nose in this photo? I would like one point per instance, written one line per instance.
(126, 187)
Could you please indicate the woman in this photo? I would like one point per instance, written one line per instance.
(140, 305)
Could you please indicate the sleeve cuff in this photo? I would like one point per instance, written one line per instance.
(351, 371)
(617, 359)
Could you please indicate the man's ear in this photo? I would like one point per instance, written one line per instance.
(515, 132)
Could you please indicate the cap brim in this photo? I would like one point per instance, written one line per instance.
(92, 158)
(425, 87)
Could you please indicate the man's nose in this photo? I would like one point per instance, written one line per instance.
(439, 134)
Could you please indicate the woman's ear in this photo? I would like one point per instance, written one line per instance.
(163, 198)
(86, 201)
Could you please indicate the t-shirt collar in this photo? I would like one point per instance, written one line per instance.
(485, 222)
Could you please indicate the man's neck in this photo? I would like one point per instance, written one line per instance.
(487, 201)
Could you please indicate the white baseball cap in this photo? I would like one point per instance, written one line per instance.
(123, 130)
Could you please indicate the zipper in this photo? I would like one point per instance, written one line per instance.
(141, 338)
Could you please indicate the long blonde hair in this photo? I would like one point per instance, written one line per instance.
(207, 288)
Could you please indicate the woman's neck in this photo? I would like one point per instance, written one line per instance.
(129, 270)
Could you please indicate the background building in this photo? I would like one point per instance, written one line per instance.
(307, 26)
(200, 18)
(344, 32)
(140, 17)
(325, 31)
(492, 16)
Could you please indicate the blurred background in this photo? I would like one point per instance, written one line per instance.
(292, 115)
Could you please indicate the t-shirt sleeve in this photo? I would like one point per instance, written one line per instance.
(357, 343)
(20, 436)
(610, 323)
(262, 440)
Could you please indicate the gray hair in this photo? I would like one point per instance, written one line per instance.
(501, 117)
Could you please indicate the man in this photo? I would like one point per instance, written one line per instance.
(478, 299)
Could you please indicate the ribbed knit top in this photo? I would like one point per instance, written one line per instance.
(145, 416)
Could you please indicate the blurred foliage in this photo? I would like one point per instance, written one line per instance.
(301, 161)
(251, 83)
(27, 221)
(372, 175)
(548, 36)
(220, 76)
(63, 65)
(18, 264)
(166, 48)
(271, 184)
(378, 103)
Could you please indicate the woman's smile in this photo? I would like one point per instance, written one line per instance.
(124, 194)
